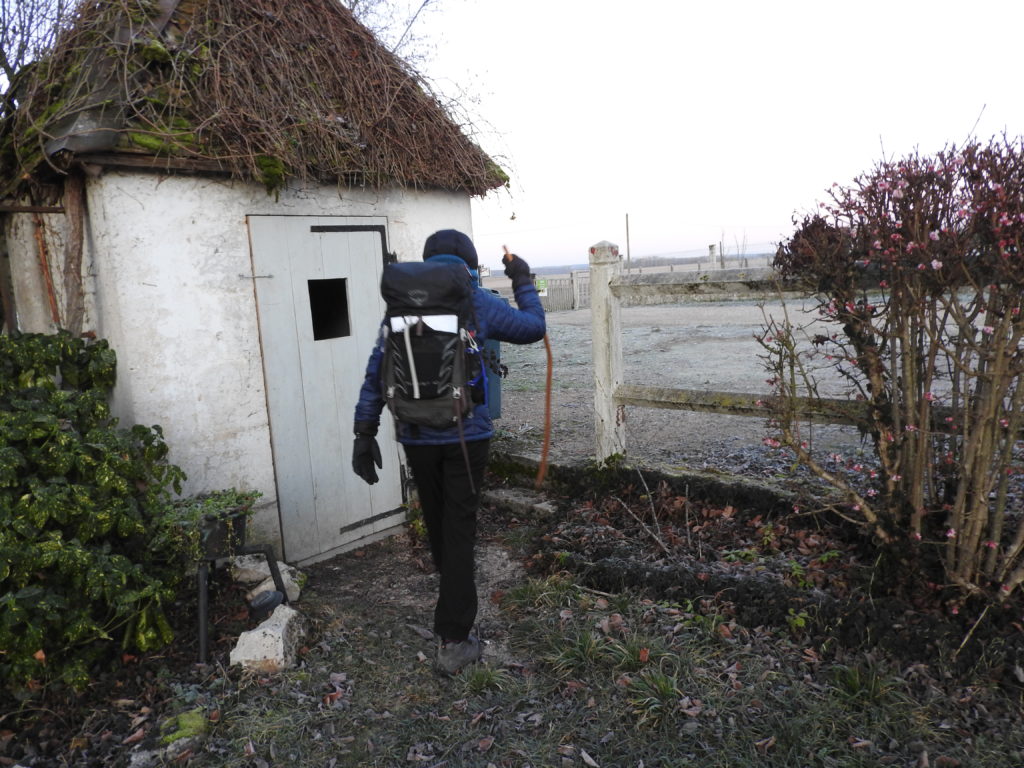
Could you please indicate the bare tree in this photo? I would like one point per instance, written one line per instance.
(393, 22)
(27, 30)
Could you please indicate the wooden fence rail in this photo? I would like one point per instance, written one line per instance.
(818, 410)
(705, 282)
(610, 290)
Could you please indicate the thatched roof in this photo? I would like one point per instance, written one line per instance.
(258, 89)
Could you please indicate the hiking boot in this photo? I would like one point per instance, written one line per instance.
(453, 656)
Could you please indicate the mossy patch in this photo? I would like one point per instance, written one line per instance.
(185, 725)
(155, 52)
(271, 172)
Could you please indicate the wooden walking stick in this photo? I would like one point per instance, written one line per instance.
(542, 470)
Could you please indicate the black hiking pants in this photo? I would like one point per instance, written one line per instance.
(450, 502)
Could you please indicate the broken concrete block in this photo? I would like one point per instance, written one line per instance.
(254, 569)
(249, 569)
(289, 577)
(273, 645)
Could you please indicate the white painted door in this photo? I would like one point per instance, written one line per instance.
(318, 295)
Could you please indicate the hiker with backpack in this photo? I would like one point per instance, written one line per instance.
(427, 367)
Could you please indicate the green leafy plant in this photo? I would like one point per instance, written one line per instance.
(741, 555)
(576, 651)
(654, 696)
(865, 683)
(635, 651)
(208, 525)
(415, 525)
(552, 591)
(797, 621)
(480, 678)
(81, 500)
(798, 574)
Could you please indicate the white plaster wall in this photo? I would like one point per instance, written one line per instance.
(173, 295)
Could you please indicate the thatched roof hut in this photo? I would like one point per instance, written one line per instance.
(135, 165)
(257, 89)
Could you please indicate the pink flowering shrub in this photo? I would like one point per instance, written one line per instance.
(917, 272)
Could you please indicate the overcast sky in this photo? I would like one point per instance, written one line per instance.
(711, 121)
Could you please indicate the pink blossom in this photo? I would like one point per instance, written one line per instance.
(934, 234)
(929, 396)
(921, 267)
(883, 284)
(951, 533)
(936, 264)
(1004, 423)
(910, 428)
(897, 478)
(877, 245)
(771, 442)
(991, 544)
(988, 329)
(916, 535)
(872, 492)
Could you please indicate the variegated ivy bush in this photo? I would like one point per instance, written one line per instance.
(81, 503)
(917, 274)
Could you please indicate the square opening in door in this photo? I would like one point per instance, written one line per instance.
(328, 305)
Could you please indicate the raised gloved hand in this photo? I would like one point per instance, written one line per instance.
(366, 452)
(517, 270)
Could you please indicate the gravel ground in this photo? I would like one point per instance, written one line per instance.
(707, 345)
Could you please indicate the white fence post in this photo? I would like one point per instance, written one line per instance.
(609, 419)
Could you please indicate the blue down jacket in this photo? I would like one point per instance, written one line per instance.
(495, 320)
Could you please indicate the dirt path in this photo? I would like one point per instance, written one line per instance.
(392, 586)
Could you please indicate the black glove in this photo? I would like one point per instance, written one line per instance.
(518, 271)
(366, 452)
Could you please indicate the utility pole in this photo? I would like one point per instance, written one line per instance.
(627, 243)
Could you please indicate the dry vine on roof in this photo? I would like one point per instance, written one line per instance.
(259, 89)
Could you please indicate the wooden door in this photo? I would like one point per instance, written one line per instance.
(318, 295)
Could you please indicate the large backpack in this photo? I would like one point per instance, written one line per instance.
(431, 365)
